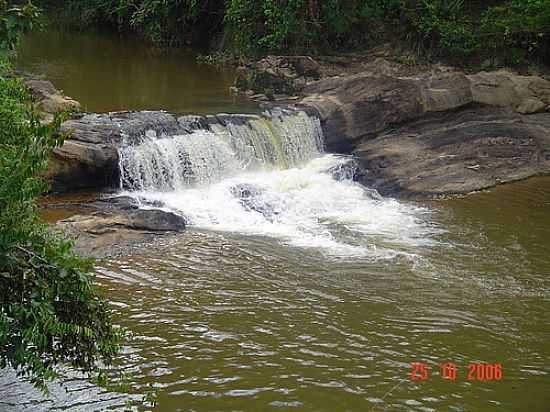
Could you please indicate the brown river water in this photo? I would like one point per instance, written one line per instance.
(230, 320)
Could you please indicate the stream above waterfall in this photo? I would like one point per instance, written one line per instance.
(294, 287)
(107, 72)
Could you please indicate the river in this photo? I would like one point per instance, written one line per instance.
(321, 300)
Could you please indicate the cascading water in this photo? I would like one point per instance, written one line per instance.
(268, 175)
(284, 139)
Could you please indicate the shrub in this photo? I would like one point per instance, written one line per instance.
(518, 30)
(50, 313)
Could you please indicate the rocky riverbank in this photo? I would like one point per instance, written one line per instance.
(434, 134)
(438, 133)
(418, 131)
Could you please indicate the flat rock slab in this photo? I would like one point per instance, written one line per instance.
(456, 153)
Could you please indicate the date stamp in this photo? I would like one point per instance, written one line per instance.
(480, 372)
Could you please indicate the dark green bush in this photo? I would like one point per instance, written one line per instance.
(518, 30)
(50, 313)
(14, 18)
(162, 22)
(306, 25)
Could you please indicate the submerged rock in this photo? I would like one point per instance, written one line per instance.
(252, 199)
(345, 171)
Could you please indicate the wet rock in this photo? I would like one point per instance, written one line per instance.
(118, 225)
(245, 191)
(192, 123)
(93, 128)
(134, 126)
(456, 153)
(252, 199)
(155, 220)
(124, 203)
(345, 171)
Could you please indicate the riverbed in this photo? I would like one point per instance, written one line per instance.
(327, 309)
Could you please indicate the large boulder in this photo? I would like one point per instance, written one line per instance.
(456, 153)
(363, 105)
(89, 157)
(438, 133)
(355, 107)
(80, 165)
(523, 94)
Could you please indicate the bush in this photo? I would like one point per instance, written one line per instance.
(14, 18)
(306, 25)
(50, 313)
(162, 22)
(518, 30)
(442, 27)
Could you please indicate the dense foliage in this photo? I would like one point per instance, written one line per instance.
(50, 313)
(165, 22)
(14, 18)
(514, 30)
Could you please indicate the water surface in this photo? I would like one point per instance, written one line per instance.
(107, 72)
(229, 321)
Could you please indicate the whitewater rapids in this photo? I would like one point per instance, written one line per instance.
(270, 177)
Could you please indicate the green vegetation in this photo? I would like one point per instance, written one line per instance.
(459, 30)
(163, 22)
(50, 314)
(14, 18)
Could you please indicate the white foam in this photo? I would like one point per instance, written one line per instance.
(306, 207)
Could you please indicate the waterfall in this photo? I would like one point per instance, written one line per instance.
(267, 175)
(279, 139)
